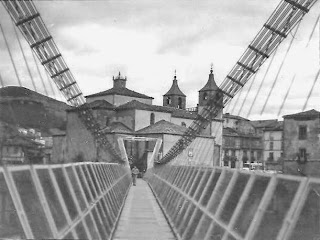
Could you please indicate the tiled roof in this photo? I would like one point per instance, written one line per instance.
(98, 104)
(211, 84)
(174, 90)
(117, 127)
(306, 114)
(163, 127)
(227, 131)
(228, 115)
(134, 104)
(179, 113)
(264, 123)
(120, 91)
(277, 126)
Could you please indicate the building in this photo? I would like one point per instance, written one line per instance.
(271, 132)
(19, 149)
(119, 94)
(203, 147)
(301, 135)
(175, 97)
(273, 142)
(241, 143)
(134, 111)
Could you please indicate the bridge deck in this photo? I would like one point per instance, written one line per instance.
(141, 217)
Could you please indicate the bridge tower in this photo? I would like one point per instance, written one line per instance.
(175, 97)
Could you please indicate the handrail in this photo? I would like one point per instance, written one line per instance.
(75, 200)
(223, 203)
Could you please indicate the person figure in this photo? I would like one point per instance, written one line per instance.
(135, 172)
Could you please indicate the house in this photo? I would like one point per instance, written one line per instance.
(19, 149)
(201, 151)
(241, 143)
(301, 135)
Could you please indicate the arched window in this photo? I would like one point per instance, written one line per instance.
(168, 100)
(180, 102)
(205, 96)
(151, 118)
(183, 124)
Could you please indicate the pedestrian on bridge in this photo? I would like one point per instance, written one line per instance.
(135, 172)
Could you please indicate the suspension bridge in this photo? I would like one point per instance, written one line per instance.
(96, 200)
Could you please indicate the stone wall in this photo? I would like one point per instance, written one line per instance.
(292, 143)
(309, 169)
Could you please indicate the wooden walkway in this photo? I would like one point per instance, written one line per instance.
(142, 217)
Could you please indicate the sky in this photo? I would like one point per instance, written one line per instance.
(147, 40)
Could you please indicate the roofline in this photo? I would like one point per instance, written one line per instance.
(108, 94)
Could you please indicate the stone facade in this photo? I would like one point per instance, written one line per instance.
(301, 133)
(241, 143)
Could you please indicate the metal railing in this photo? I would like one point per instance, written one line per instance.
(70, 201)
(223, 203)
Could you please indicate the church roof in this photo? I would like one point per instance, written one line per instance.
(120, 91)
(163, 127)
(211, 84)
(98, 104)
(174, 90)
(178, 113)
(117, 127)
(134, 104)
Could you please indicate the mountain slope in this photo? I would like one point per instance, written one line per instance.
(28, 109)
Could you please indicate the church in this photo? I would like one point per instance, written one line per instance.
(128, 115)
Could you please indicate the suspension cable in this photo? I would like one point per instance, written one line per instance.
(10, 54)
(311, 90)
(1, 81)
(25, 59)
(247, 93)
(261, 83)
(286, 96)
(313, 30)
(39, 73)
(279, 70)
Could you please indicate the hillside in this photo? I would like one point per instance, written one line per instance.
(28, 109)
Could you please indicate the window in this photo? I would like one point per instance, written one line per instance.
(303, 154)
(302, 132)
(252, 158)
(180, 102)
(169, 100)
(15, 150)
(151, 118)
(233, 153)
(271, 146)
(205, 96)
(183, 124)
(271, 157)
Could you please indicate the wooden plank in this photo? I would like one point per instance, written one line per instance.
(141, 217)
